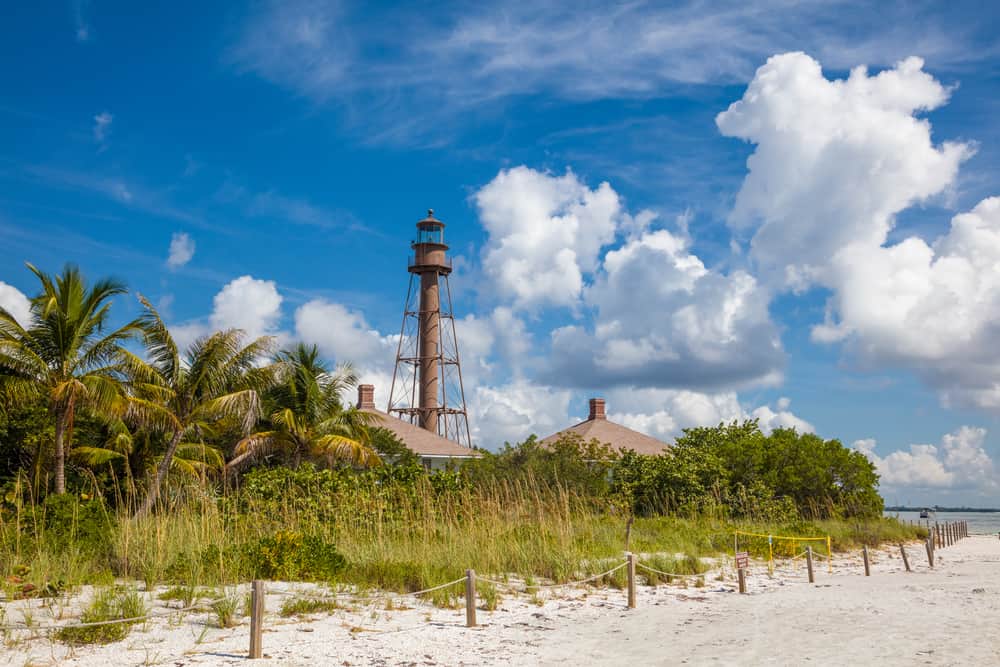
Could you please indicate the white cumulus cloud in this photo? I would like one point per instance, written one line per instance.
(545, 234)
(246, 303)
(663, 319)
(834, 160)
(958, 463)
(15, 302)
(181, 250)
(665, 413)
(344, 335)
(512, 411)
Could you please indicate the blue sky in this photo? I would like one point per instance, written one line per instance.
(609, 235)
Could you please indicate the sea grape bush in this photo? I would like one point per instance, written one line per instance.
(292, 556)
(736, 469)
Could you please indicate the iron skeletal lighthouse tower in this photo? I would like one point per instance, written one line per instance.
(427, 381)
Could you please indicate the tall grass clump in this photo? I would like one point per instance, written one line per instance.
(124, 605)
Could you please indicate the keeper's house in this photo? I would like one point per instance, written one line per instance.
(619, 438)
(434, 451)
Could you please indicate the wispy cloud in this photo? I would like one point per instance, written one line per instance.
(296, 210)
(80, 20)
(102, 126)
(391, 65)
(127, 193)
(181, 250)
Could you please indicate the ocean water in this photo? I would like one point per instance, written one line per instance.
(979, 522)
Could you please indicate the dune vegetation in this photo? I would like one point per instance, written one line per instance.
(125, 457)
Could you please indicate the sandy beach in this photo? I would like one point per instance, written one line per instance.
(944, 616)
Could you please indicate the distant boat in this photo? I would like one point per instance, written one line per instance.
(925, 514)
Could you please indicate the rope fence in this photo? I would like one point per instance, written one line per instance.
(115, 621)
(941, 536)
(528, 587)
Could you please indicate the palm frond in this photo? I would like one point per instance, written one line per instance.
(94, 457)
(160, 345)
(200, 454)
(241, 406)
(345, 449)
(263, 443)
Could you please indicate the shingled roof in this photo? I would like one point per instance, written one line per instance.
(419, 441)
(618, 437)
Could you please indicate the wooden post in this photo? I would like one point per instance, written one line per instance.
(809, 564)
(930, 551)
(631, 580)
(470, 598)
(256, 618)
(937, 534)
(906, 561)
(864, 552)
(741, 574)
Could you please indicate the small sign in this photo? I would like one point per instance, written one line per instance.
(742, 560)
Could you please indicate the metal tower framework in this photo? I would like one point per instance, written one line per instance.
(427, 388)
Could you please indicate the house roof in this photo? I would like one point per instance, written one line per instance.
(618, 437)
(419, 441)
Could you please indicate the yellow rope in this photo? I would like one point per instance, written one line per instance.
(784, 537)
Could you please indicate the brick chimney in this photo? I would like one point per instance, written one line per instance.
(366, 397)
(596, 409)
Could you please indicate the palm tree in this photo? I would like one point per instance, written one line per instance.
(63, 355)
(307, 417)
(218, 379)
(195, 459)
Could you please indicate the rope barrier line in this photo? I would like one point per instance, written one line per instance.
(640, 564)
(115, 621)
(546, 586)
(794, 540)
(782, 537)
(358, 598)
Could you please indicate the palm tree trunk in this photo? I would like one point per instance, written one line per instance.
(153, 493)
(60, 462)
(233, 465)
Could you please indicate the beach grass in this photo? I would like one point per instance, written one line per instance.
(396, 539)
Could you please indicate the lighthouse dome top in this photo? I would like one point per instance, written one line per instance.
(430, 222)
(430, 230)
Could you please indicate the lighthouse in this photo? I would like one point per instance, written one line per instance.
(427, 385)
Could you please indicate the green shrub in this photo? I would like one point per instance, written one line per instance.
(109, 605)
(186, 594)
(84, 524)
(225, 610)
(305, 606)
(292, 556)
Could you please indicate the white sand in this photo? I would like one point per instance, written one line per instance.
(947, 616)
